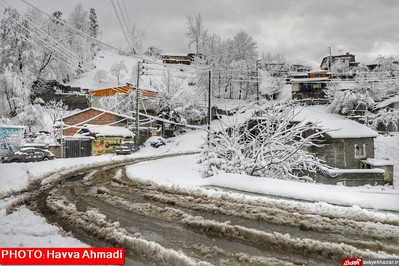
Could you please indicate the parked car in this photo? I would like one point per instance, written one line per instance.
(29, 155)
(126, 147)
(155, 141)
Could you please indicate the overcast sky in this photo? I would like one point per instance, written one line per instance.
(302, 30)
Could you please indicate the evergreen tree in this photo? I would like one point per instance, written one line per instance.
(93, 23)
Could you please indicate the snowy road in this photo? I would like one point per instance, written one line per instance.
(165, 225)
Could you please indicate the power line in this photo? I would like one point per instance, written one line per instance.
(71, 27)
(96, 40)
(120, 23)
(127, 14)
(123, 17)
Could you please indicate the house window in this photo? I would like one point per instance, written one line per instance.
(360, 151)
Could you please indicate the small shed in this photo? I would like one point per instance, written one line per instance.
(106, 138)
(385, 164)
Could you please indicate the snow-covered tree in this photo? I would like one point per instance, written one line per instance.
(16, 52)
(270, 86)
(136, 40)
(56, 109)
(14, 95)
(153, 52)
(78, 43)
(274, 63)
(196, 32)
(387, 67)
(274, 58)
(177, 102)
(241, 72)
(79, 19)
(93, 23)
(266, 143)
(243, 47)
(118, 70)
(31, 117)
(100, 76)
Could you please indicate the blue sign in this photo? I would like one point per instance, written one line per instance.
(11, 139)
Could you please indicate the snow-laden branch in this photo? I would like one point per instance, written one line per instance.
(267, 144)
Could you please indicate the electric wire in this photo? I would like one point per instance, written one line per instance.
(127, 14)
(120, 23)
(123, 17)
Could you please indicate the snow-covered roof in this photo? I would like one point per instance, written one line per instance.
(106, 131)
(100, 110)
(173, 54)
(309, 80)
(11, 126)
(339, 126)
(295, 74)
(378, 162)
(387, 102)
(318, 71)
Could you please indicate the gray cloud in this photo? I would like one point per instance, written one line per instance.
(302, 30)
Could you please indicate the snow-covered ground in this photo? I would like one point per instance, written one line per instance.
(24, 228)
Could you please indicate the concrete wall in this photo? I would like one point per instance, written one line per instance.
(56, 149)
(353, 178)
(340, 153)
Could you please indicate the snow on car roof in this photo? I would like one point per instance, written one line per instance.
(340, 127)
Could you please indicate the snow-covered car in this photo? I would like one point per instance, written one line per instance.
(126, 147)
(156, 141)
(29, 155)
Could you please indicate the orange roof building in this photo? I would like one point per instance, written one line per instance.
(127, 89)
(97, 94)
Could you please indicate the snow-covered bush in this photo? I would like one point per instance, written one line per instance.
(267, 143)
(384, 117)
(270, 86)
(348, 97)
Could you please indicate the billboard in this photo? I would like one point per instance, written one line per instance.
(11, 139)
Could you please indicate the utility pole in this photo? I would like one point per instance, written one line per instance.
(137, 137)
(257, 80)
(330, 59)
(62, 138)
(210, 100)
(209, 106)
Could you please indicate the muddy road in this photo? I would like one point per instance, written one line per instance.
(160, 225)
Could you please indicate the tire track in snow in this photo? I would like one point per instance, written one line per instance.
(317, 248)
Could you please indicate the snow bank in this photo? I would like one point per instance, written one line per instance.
(23, 228)
(185, 173)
